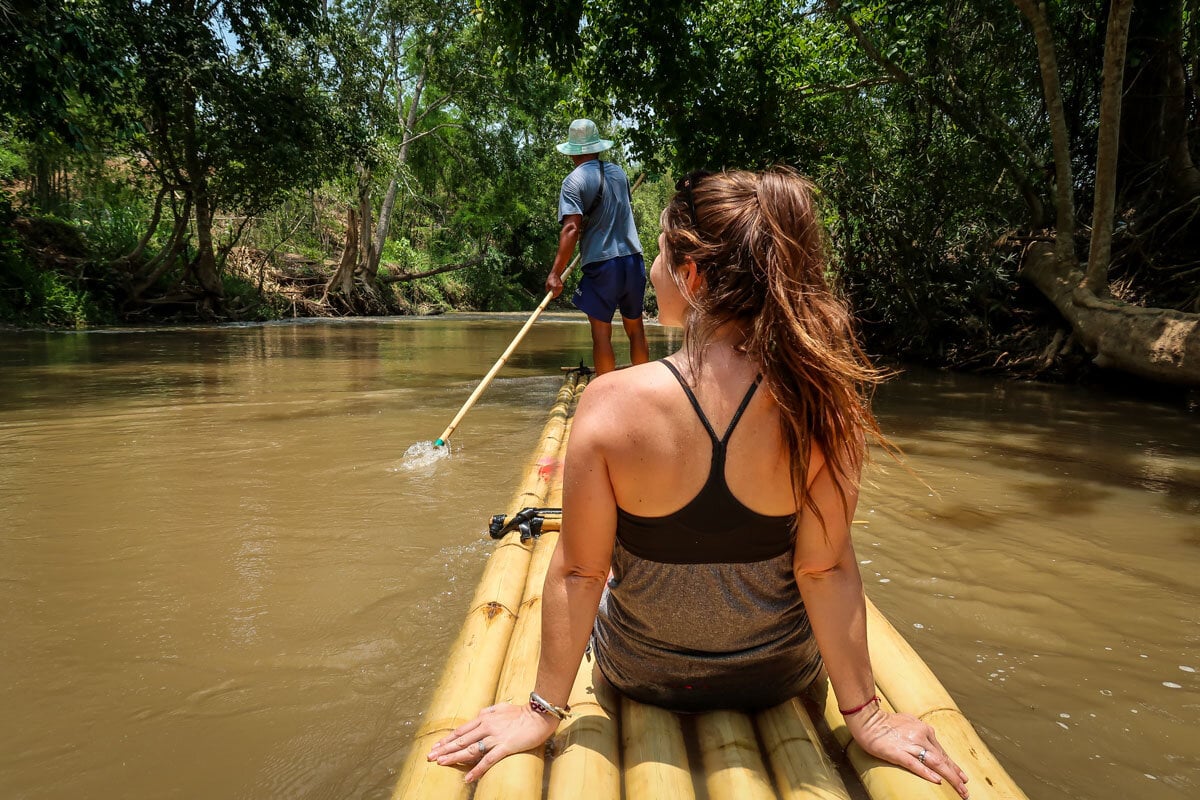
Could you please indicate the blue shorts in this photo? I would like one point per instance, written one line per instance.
(608, 285)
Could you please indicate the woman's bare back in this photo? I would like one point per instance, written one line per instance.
(659, 453)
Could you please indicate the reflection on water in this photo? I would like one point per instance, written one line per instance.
(231, 562)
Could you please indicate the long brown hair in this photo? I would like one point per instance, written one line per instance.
(758, 243)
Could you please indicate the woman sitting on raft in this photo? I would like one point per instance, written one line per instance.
(733, 577)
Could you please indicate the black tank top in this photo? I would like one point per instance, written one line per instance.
(714, 527)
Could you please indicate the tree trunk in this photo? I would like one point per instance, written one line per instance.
(389, 200)
(156, 267)
(1181, 168)
(140, 247)
(1100, 250)
(205, 265)
(1194, 87)
(1155, 343)
(1064, 195)
(342, 280)
(366, 245)
(1160, 344)
(41, 182)
(412, 276)
(1155, 158)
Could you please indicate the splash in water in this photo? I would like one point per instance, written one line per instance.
(422, 455)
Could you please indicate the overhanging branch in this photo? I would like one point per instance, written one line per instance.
(412, 276)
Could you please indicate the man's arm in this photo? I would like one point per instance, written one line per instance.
(568, 237)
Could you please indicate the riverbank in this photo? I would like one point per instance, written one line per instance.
(53, 278)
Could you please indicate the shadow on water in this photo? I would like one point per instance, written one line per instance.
(1087, 441)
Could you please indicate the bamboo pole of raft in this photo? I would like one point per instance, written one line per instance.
(588, 759)
(908, 685)
(802, 769)
(520, 775)
(733, 765)
(468, 682)
(911, 687)
(654, 755)
(487, 379)
(883, 781)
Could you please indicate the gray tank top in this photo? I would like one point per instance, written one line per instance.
(702, 610)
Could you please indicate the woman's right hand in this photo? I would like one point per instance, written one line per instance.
(501, 729)
(908, 742)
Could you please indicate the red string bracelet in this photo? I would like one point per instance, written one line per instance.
(850, 712)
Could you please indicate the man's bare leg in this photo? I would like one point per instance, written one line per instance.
(603, 359)
(639, 351)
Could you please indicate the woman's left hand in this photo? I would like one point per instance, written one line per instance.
(908, 742)
(497, 731)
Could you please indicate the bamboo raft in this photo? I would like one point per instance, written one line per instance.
(612, 747)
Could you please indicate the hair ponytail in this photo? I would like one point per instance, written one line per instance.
(759, 243)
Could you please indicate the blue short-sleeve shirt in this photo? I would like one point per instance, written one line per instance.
(611, 231)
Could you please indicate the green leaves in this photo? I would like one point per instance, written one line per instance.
(905, 118)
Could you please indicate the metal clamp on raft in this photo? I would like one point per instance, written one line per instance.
(528, 521)
(582, 369)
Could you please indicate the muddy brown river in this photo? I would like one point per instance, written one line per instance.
(220, 577)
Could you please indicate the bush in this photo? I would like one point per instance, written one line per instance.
(244, 301)
(33, 296)
(12, 160)
(111, 229)
(492, 286)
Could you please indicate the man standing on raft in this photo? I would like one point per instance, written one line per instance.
(595, 213)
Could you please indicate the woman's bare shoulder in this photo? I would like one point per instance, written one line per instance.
(624, 397)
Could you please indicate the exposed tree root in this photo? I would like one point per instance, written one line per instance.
(1156, 343)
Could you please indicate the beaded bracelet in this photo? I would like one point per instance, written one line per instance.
(849, 712)
(544, 706)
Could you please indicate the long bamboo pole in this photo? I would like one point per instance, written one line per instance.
(473, 667)
(487, 379)
(520, 775)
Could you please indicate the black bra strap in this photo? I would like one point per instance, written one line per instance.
(741, 409)
(695, 403)
(700, 413)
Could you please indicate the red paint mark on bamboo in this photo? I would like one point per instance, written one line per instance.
(546, 466)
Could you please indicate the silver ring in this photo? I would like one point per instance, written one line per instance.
(483, 748)
(920, 756)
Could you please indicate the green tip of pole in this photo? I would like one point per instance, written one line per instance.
(439, 443)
